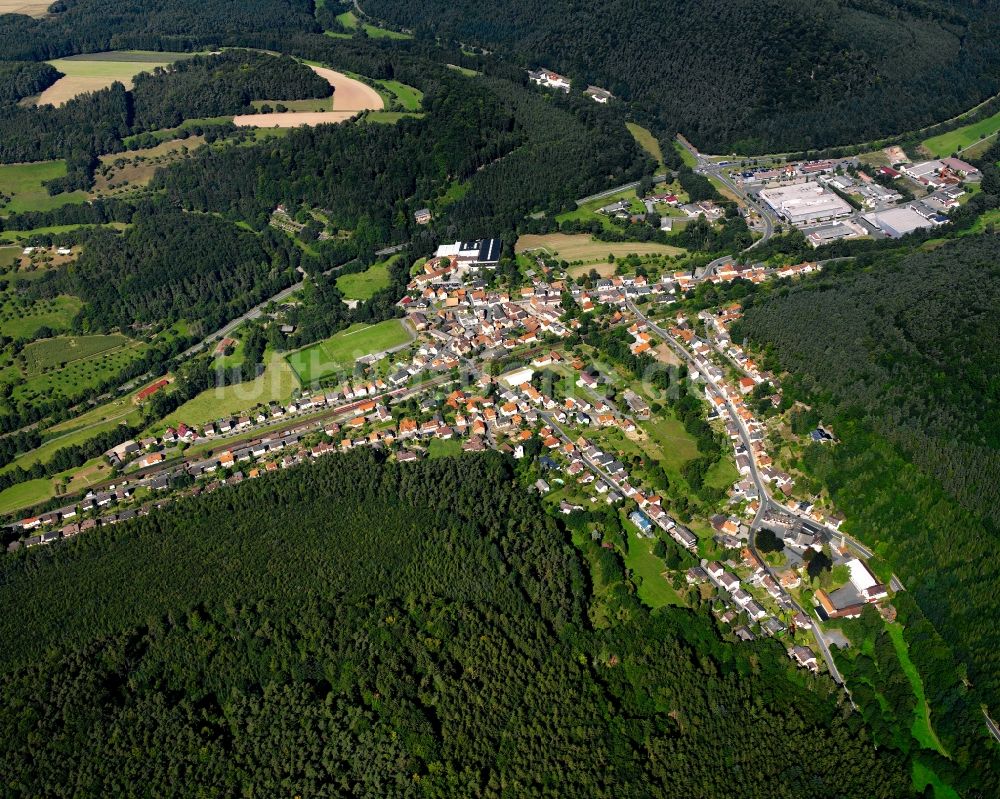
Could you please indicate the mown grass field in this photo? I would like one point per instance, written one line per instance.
(84, 432)
(94, 71)
(277, 384)
(408, 96)
(339, 352)
(362, 285)
(24, 495)
(21, 187)
(646, 140)
(443, 449)
(954, 140)
(586, 249)
(390, 117)
(8, 236)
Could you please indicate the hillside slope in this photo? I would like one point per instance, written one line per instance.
(758, 76)
(900, 358)
(417, 632)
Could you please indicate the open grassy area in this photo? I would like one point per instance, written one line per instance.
(339, 352)
(26, 235)
(351, 22)
(586, 249)
(390, 117)
(469, 73)
(276, 385)
(923, 776)
(646, 140)
(956, 140)
(21, 187)
(362, 285)
(121, 172)
(647, 570)
(443, 449)
(21, 319)
(921, 730)
(65, 366)
(44, 453)
(686, 155)
(24, 495)
(407, 96)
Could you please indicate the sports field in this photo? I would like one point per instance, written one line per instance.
(21, 187)
(339, 352)
(584, 248)
(362, 285)
(94, 71)
(965, 136)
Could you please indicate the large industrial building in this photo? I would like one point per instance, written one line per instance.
(897, 222)
(804, 203)
(481, 252)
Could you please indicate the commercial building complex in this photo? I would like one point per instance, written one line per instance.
(804, 203)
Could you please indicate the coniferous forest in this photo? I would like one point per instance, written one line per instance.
(747, 76)
(897, 354)
(389, 630)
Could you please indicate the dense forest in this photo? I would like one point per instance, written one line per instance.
(754, 76)
(20, 79)
(418, 632)
(899, 355)
(508, 149)
(169, 266)
(209, 86)
(88, 26)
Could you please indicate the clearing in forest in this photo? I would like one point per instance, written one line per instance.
(350, 98)
(94, 71)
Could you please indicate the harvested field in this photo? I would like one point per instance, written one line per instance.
(350, 97)
(581, 247)
(95, 71)
(31, 8)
